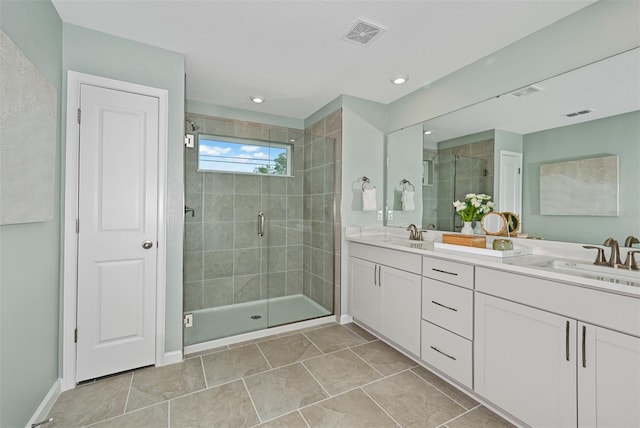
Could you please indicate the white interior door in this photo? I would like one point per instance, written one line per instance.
(510, 197)
(117, 239)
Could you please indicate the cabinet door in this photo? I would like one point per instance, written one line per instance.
(525, 362)
(608, 378)
(400, 302)
(365, 291)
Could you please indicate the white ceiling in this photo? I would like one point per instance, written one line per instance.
(608, 87)
(292, 52)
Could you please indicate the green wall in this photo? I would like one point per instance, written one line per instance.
(201, 107)
(30, 253)
(619, 135)
(100, 54)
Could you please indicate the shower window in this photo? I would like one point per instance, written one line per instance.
(239, 155)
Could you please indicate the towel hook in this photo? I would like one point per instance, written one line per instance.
(405, 183)
(365, 181)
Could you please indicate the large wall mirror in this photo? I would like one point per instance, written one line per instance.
(590, 112)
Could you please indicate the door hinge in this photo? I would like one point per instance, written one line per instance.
(79, 114)
(518, 170)
(75, 336)
(77, 225)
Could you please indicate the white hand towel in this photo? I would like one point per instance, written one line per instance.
(369, 199)
(408, 203)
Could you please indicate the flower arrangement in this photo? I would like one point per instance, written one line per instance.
(474, 206)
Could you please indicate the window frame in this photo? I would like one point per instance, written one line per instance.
(240, 141)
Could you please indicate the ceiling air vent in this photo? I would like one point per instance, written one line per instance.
(527, 91)
(579, 113)
(362, 32)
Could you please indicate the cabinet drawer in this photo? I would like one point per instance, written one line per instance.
(447, 352)
(451, 272)
(397, 259)
(448, 306)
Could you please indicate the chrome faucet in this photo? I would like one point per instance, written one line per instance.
(614, 258)
(630, 241)
(414, 233)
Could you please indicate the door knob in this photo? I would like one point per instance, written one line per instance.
(147, 244)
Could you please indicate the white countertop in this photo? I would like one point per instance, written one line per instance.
(536, 264)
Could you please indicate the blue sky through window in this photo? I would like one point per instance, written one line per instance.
(244, 157)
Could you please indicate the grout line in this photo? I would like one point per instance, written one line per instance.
(204, 373)
(442, 392)
(126, 402)
(304, 419)
(314, 378)
(252, 402)
(381, 408)
(264, 356)
(311, 341)
(444, 424)
(367, 363)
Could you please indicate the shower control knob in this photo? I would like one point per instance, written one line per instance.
(147, 244)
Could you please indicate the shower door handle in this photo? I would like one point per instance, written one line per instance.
(260, 223)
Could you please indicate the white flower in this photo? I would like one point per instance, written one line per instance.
(470, 195)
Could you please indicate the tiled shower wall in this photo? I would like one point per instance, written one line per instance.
(225, 261)
(321, 240)
(474, 175)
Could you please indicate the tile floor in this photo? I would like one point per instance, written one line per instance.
(325, 376)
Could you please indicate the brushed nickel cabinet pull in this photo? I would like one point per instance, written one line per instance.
(375, 271)
(444, 271)
(444, 306)
(446, 355)
(379, 277)
(584, 346)
(566, 337)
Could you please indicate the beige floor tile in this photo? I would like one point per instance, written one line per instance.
(333, 338)
(353, 409)
(91, 403)
(156, 416)
(287, 350)
(341, 371)
(205, 352)
(480, 417)
(283, 390)
(157, 384)
(226, 405)
(383, 357)
(252, 341)
(232, 364)
(458, 396)
(360, 332)
(292, 420)
(413, 402)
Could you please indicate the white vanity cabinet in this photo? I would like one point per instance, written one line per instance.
(608, 378)
(544, 366)
(385, 298)
(447, 318)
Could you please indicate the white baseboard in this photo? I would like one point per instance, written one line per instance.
(172, 357)
(47, 403)
(345, 319)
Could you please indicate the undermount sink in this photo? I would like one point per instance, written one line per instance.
(592, 271)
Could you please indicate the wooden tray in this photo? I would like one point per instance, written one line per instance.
(466, 240)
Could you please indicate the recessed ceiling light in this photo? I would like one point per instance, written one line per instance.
(400, 79)
(428, 132)
(292, 140)
(257, 99)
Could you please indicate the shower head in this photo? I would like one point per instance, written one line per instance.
(194, 127)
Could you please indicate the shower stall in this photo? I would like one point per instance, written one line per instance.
(452, 173)
(259, 244)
